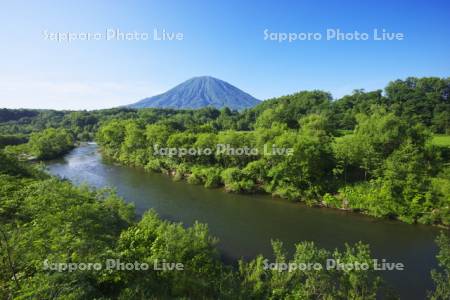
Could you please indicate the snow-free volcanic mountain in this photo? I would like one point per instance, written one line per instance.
(200, 92)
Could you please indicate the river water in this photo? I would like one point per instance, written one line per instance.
(245, 224)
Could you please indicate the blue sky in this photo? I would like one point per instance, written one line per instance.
(224, 40)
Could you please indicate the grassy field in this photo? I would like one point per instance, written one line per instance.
(441, 140)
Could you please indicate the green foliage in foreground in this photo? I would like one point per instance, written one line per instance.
(258, 283)
(45, 221)
(442, 279)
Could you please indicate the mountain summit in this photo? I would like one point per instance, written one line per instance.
(200, 92)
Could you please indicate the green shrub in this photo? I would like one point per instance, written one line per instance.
(331, 201)
(196, 176)
(236, 181)
(213, 178)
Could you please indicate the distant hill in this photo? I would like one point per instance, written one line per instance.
(200, 92)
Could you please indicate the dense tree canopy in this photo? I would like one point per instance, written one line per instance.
(47, 144)
(47, 225)
(385, 167)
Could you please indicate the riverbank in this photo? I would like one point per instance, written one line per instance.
(212, 178)
(245, 224)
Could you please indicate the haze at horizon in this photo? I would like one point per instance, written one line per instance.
(222, 40)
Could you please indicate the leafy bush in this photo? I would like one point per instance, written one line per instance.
(264, 279)
(235, 181)
(442, 279)
(50, 143)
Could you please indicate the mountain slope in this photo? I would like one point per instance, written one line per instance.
(200, 92)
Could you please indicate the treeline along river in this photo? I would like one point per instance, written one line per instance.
(245, 224)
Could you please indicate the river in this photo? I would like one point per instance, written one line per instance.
(245, 224)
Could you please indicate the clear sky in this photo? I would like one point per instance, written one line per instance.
(221, 39)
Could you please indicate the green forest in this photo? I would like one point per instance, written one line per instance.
(383, 153)
(366, 152)
(44, 219)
